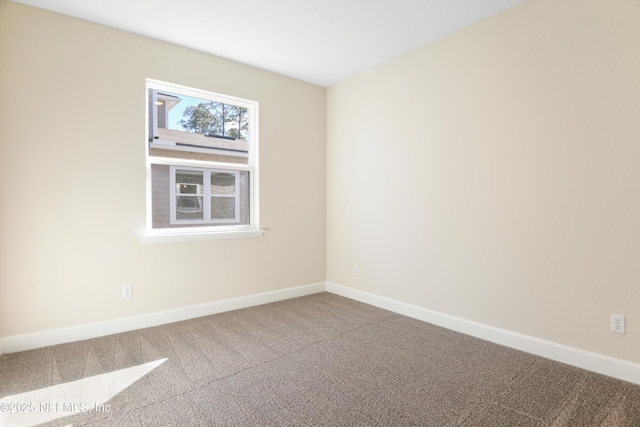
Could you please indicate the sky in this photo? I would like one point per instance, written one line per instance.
(175, 114)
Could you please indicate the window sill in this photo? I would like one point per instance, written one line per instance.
(189, 237)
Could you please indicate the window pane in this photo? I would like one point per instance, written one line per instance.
(189, 207)
(189, 182)
(185, 127)
(192, 181)
(223, 183)
(223, 208)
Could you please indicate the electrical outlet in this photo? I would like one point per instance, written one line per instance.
(618, 323)
(127, 291)
(356, 270)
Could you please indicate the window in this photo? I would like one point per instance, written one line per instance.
(201, 156)
(204, 196)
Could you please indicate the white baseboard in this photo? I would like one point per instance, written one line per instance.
(22, 342)
(606, 365)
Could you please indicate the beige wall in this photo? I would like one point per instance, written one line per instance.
(491, 175)
(72, 177)
(495, 174)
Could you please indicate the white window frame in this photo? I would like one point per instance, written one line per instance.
(208, 229)
(206, 196)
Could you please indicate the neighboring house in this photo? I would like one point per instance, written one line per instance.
(188, 145)
(178, 192)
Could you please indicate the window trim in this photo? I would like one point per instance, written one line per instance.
(149, 238)
(207, 231)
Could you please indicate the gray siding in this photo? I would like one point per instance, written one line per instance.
(162, 116)
(160, 193)
(160, 196)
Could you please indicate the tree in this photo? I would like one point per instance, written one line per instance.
(198, 119)
(223, 113)
(216, 118)
(234, 119)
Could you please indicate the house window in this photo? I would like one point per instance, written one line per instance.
(204, 196)
(201, 156)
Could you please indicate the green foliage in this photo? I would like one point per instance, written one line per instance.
(197, 119)
(216, 119)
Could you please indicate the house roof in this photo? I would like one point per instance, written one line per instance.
(200, 140)
(169, 99)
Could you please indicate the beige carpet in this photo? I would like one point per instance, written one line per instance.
(320, 360)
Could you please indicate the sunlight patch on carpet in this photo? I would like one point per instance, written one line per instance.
(88, 394)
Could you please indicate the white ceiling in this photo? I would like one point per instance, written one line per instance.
(318, 41)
